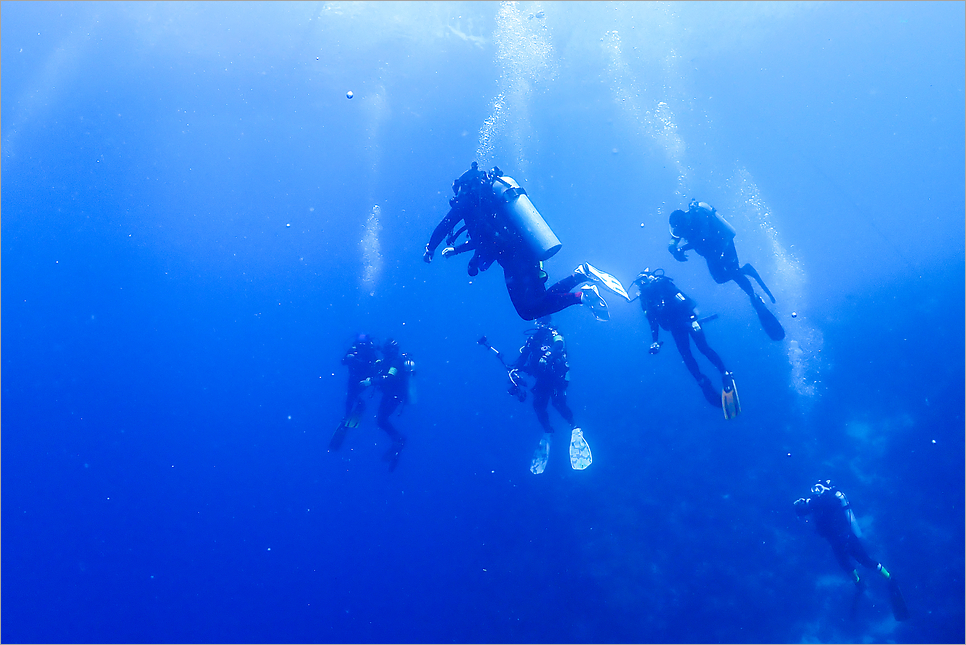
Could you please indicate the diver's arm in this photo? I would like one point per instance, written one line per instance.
(676, 251)
(440, 232)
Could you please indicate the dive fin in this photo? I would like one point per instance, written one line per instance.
(769, 323)
(589, 295)
(540, 457)
(750, 270)
(730, 404)
(604, 278)
(339, 435)
(899, 609)
(580, 456)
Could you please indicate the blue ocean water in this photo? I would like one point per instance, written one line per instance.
(197, 221)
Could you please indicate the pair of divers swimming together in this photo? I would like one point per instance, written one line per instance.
(501, 225)
(392, 374)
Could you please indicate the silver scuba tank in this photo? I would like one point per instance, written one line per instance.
(521, 215)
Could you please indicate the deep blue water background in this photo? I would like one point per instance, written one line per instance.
(185, 225)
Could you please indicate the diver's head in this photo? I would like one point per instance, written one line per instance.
(678, 222)
(821, 487)
(363, 339)
(648, 276)
(474, 166)
(390, 347)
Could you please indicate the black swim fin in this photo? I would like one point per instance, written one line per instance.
(899, 609)
(769, 323)
(351, 421)
(750, 270)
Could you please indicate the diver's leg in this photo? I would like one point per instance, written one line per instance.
(701, 342)
(857, 550)
(541, 397)
(353, 402)
(520, 288)
(559, 400)
(683, 343)
(841, 551)
(531, 299)
(387, 406)
(681, 339)
(750, 270)
(568, 283)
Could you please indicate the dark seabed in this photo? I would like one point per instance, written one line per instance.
(196, 223)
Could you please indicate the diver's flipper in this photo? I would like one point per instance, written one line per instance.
(580, 456)
(730, 404)
(899, 609)
(339, 435)
(750, 270)
(540, 456)
(392, 455)
(604, 278)
(591, 296)
(769, 323)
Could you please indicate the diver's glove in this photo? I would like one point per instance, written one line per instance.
(366, 383)
(656, 347)
(800, 505)
(448, 251)
(427, 255)
(677, 252)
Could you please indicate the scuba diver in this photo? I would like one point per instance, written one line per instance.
(361, 361)
(835, 521)
(713, 238)
(544, 357)
(667, 306)
(472, 203)
(503, 226)
(394, 376)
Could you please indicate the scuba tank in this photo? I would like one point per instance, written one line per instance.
(520, 216)
(709, 214)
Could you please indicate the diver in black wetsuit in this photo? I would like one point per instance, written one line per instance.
(835, 521)
(666, 306)
(473, 204)
(392, 377)
(544, 357)
(361, 361)
(484, 210)
(713, 238)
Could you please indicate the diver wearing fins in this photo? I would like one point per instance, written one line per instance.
(394, 373)
(835, 521)
(473, 204)
(713, 238)
(361, 361)
(544, 357)
(667, 306)
(503, 226)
